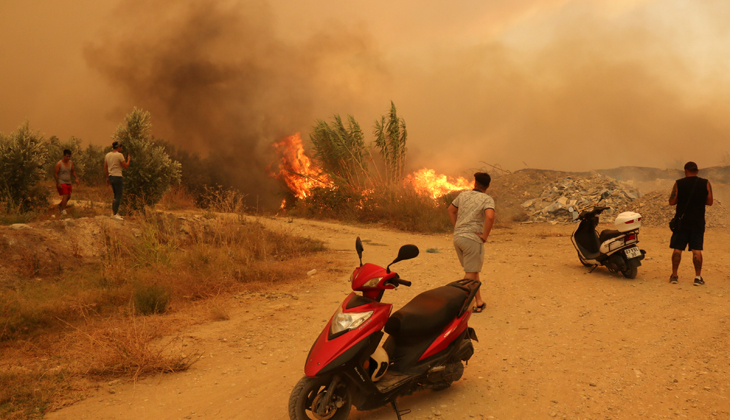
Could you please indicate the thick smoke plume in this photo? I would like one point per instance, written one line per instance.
(218, 82)
(556, 84)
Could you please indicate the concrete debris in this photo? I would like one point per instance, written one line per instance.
(562, 200)
(19, 226)
(655, 210)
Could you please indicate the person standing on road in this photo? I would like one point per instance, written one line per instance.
(691, 195)
(472, 215)
(113, 164)
(63, 171)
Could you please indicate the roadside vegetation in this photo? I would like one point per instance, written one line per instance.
(102, 319)
(367, 182)
(68, 322)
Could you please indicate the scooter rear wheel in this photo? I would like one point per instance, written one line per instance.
(309, 393)
(631, 272)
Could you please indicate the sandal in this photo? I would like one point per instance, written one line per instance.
(480, 308)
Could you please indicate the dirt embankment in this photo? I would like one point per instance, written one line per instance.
(50, 247)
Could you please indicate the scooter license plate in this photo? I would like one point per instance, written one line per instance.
(632, 252)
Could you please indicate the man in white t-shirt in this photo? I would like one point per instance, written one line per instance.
(113, 164)
(472, 214)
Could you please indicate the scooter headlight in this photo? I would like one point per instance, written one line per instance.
(344, 321)
(372, 282)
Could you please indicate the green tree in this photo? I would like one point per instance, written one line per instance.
(390, 138)
(151, 171)
(22, 155)
(91, 160)
(341, 150)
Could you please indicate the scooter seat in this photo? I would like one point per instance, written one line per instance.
(608, 234)
(428, 313)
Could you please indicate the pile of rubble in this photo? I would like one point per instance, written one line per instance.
(562, 200)
(655, 210)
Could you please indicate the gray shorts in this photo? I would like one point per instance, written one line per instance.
(470, 253)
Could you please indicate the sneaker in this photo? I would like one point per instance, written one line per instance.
(699, 281)
(673, 279)
(117, 217)
(63, 211)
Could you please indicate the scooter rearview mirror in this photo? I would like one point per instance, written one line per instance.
(359, 249)
(406, 252)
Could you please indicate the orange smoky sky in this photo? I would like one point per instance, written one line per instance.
(570, 85)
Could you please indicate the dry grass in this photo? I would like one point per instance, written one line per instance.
(178, 198)
(219, 310)
(84, 315)
(400, 207)
(130, 347)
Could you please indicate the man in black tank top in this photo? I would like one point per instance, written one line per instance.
(691, 195)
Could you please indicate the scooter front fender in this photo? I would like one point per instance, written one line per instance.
(327, 354)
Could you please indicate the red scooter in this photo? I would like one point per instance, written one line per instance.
(429, 338)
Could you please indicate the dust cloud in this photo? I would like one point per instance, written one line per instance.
(562, 84)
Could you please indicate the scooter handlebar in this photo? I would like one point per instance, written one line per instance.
(594, 211)
(404, 282)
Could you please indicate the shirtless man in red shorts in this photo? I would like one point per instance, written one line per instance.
(64, 169)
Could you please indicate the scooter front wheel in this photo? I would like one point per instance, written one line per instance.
(309, 400)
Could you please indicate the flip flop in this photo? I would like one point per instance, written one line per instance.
(480, 308)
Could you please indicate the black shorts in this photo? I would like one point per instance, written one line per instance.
(693, 237)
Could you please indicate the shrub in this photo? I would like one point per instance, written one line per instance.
(390, 138)
(151, 299)
(151, 171)
(341, 151)
(22, 155)
(402, 207)
(92, 161)
(200, 173)
(398, 206)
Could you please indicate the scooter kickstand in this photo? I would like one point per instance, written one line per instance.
(594, 267)
(398, 412)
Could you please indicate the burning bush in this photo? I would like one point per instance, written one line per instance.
(342, 184)
(399, 206)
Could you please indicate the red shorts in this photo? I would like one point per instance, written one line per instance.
(64, 189)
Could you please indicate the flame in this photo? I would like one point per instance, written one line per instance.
(296, 170)
(301, 175)
(426, 181)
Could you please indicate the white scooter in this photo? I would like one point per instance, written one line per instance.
(614, 248)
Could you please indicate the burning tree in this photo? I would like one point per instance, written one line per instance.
(341, 151)
(296, 170)
(390, 137)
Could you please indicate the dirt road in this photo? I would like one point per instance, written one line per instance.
(555, 341)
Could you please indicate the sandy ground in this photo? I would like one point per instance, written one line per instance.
(555, 340)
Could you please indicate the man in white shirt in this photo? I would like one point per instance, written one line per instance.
(472, 214)
(113, 164)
